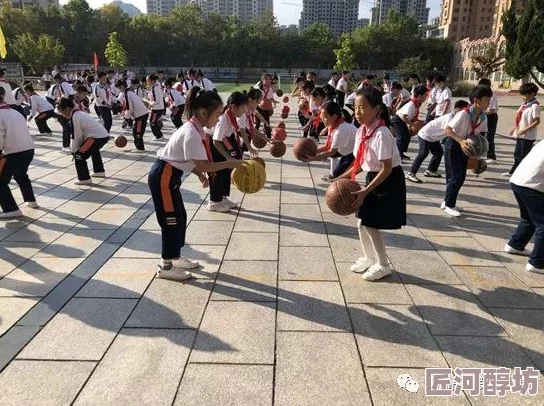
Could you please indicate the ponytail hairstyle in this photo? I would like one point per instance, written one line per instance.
(237, 99)
(2, 94)
(66, 102)
(374, 97)
(330, 91)
(334, 109)
(198, 98)
(254, 94)
(319, 92)
(121, 83)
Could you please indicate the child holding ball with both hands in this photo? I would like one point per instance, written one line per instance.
(382, 202)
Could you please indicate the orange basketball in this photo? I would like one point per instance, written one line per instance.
(284, 115)
(259, 160)
(120, 141)
(304, 148)
(286, 99)
(258, 142)
(279, 134)
(277, 149)
(339, 196)
(304, 105)
(472, 163)
(286, 109)
(415, 127)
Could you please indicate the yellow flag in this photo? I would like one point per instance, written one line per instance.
(3, 50)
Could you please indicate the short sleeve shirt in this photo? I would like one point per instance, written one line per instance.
(343, 138)
(462, 126)
(380, 147)
(184, 146)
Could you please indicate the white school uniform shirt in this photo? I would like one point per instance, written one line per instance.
(223, 128)
(207, 84)
(409, 109)
(343, 138)
(66, 89)
(388, 99)
(157, 97)
(435, 130)
(19, 96)
(47, 78)
(342, 85)
(442, 96)
(332, 83)
(184, 146)
(134, 106)
(103, 95)
(432, 95)
(84, 126)
(351, 99)
(461, 124)
(39, 104)
(527, 117)
(177, 97)
(14, 134)
(530, 172)
(8, 97)
(494, 104)
(405, 94)
(380, 147)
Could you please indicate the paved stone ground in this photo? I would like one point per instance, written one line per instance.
(275, 317)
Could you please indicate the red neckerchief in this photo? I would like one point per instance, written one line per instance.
(479, 120)
(332, 128)
(418, 105)
(251, 123)
(365, 136)
(234, 123)
(4, 106)
(266, 90)
(522, 108)
(317, 118)
(203, 136)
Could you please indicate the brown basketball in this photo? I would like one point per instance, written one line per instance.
(281, 124)
(284, 115)
(286, 99)
(120, 141)
(259, 160)
(472, 163)
(339, 198)
(304, 148)
(415, 127)
(279, 134)
(286, 109)
(258, 142)
(304, 105)
(277, 149)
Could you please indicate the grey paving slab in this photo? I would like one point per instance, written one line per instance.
(229, 333)
(250, 281)
(296, 234)
(208, 256)
(121, 278)
(462, 251)
(259, 202)
(137, 358)
(453, 310)
(253, 246)
(516, 264)
(76, 244)
(13, 254)
(51, 383)
(318, 264)
(46, 229)
(13, 341)
(295, 197)
(345, 248)
(106, 218)
(142, 244)
(219, 385)
(408, 237)
(388, 290)
(257, 222)
(209, 232)
(170, 304)
(203, 214)
(83, 330)
(422, 267)
(12, 309)
(312, 306)
(304, 184)
(344, 225)
(319, 369)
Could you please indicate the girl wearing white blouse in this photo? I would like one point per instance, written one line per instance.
(88, 136)
(382, 202)
(188, 151)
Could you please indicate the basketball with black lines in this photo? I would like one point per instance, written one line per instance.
(120, 141)
(339, 196)
(250, 178)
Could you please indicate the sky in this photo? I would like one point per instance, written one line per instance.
(287, 11)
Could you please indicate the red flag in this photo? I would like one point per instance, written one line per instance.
(95, 61)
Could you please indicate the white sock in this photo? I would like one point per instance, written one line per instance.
(378, 245)
(366, 243)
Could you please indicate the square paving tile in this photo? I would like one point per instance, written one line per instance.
(343, 225)
(13, 254)
(230, 334)
(83, 330)
(422, 267)
(463, 251)
(106, 219)
(51, 382)
(45, 229)
(394, 336)
(142, 244)
(317, 264)
(250, 281)
(294, 197)
(77, 243)
(253, 246)
(303, 235)
(143, 366)
(12, 309)
(319, 369)
(345, 248)
(218, 385)
(296, 213)
(261, 203)
(255, 222)
(315, 306)
(209, 232)
(516, 263)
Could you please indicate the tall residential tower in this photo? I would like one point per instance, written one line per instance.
(340, 15)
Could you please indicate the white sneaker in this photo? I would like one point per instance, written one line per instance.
(186, 263)
(66, 150)
(506, 174)
(33, 204)
(174, 274)
(361, 265)
(11, 214)
(218, 206)
(326, 178)
(229, 203)
(99, 175)
(452, 212)
(532, 268)
(490, 161)
(83, 182)
(511, 250)
(376, 272)
(431, 174)
(443, 207)
(413, 178)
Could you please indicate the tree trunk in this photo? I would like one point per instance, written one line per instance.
(536, 80)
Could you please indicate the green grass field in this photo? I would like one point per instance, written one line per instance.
(232, 87)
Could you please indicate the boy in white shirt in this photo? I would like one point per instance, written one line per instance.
(342, 88)
(429, 141)
(492, 121)
(41, 110)
(134, 109)
(156, 101)
(468, 122)
(525, 128)
(333, 81)
(527, 183)
(442, 97)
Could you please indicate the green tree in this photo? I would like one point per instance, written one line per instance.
(345, 57)
(319, 42)
(487, 63)
(414, 64)
(524, 33)
(115, 53)
(39, 53)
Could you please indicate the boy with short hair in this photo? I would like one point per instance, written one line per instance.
(342, 88)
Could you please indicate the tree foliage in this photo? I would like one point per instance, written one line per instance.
(115, 53)
(484, 65)
(415, 64)
(345, 55)
(38, 53)
(524, 33)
